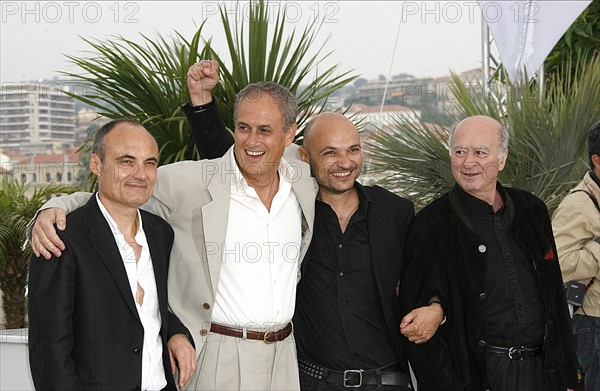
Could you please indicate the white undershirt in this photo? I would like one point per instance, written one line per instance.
(142, 272)
(257, 284)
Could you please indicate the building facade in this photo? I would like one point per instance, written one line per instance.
(36, 116)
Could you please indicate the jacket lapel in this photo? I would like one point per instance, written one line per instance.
(211, 219)
(305, 189)
(103, 242)
(157, 255)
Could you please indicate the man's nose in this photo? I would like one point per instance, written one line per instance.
(140, 171)
(343, 160)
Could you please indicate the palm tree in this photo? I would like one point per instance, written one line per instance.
(547, 153)
(18, 204)
(147, 81)
(261, 55)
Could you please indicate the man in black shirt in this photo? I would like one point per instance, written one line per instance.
(489, 253)
(345, 322)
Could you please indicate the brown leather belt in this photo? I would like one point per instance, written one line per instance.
(266, 336)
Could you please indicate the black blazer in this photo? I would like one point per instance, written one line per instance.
(85, 331)
(388, 220)
(444, 258)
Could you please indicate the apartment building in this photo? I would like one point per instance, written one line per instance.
(36, 116)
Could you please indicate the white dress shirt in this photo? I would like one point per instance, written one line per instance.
(257, 283)
(141, 272)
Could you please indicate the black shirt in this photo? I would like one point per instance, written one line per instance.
(514, 307)
(339, 321)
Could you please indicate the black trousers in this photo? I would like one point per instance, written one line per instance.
(506, 374)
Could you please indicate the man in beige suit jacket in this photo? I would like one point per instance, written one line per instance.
(195, 197)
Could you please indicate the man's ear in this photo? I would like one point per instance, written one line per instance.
(503, 160)
(291, 133)
(95, 164)
(596, 161)
(303, 154)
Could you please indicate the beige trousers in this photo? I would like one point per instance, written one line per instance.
(229, 363)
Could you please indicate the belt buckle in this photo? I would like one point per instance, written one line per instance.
(351, 371)
(266, 336)
(517, 353)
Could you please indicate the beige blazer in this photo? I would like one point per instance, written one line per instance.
(194, 196)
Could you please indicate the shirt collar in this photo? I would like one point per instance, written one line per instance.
(477, 208)
(111, 222)
(364, 202)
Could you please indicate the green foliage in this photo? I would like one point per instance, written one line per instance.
(124, 79)
(579, 43)
(18, 204)
(410, 159)
(262, 54)
(547, 152)
(147, 81)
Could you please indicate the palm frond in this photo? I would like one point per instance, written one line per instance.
(547, 151)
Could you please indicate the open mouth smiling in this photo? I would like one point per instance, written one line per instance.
(341, 174)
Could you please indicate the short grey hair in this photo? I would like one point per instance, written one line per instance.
(285, 99)
(504, 136)
(98, 146)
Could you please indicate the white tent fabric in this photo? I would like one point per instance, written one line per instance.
(525, 31)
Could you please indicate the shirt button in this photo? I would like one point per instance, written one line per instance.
(206, 306)
(482, 344)
(482, 248)
(137, 351)
(340, 246)
(482, 296)
(341, 274)
(203, 332)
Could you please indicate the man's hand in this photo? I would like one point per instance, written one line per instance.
(202, 77)
(44, 239)
(183, 356)
(420, 324)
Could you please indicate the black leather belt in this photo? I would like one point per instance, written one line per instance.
(354, 378)
(515, 353)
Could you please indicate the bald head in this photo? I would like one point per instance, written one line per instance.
(332, 148)
(482, 122)
(325, 122)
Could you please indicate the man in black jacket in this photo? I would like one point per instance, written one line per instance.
(98, 314)
(489, 253)
(345, 323)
